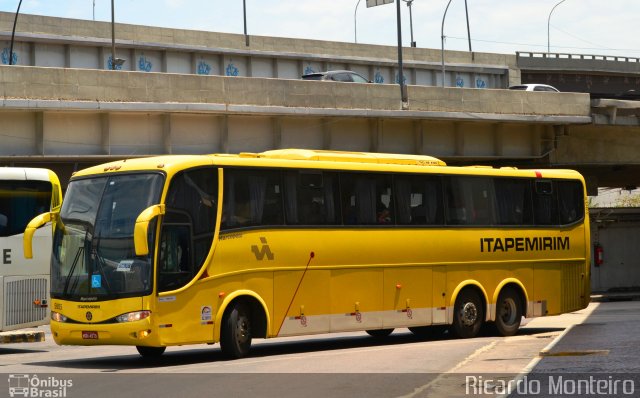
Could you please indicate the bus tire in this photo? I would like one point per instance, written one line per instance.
(235, 336)
(379, 333)
(150, 352)
(508, 312)
(468, 314)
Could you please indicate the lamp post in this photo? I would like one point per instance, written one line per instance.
(403, 87)
(13, 34)
(466, 11)
(244, 13)
(355, 23)
(549, 24)
(115, 62)
(409, 3)
(442, 39)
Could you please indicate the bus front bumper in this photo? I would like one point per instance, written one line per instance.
(138, 333)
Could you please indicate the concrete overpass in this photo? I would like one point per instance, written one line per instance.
(61, 109)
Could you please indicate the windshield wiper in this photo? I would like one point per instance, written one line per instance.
(73, 267)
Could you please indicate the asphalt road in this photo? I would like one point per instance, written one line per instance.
(598, 339)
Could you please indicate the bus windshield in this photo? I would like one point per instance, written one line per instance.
(93, 250)
(20, 201)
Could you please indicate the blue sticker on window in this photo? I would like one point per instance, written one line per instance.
(96, 281)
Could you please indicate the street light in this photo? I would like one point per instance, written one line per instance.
(409, 3)
(244, 13)
(355, 23)
(115, 62)
(13, 34)
(549, 24)
(442, 39)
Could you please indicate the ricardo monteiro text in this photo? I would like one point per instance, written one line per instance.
(541, 243)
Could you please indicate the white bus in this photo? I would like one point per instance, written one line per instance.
(24, 284)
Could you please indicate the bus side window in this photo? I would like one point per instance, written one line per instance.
(366, 199)
(571, 201)
(545, 203)
(252, 197)
(310, 197)
(513, 201)
(418, 200)
(188, 226)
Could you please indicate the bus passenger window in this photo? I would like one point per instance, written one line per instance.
(366, 199)
(545, 203)
(310, 197)
(252, 197)
(513, 201)
(470, 201)
(571, 201)
(188, 226)
(418, 200)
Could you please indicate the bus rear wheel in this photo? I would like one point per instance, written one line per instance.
(468, 314)
(235, 336)
(379, 333)
(508, 312)
(150, 352)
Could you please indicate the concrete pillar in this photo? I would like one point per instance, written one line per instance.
(377, 131)
(326, 133)
(166, 134)
(194, 63)
(164, 61)
(498, 139)
(536, 139)
(105, 142)
(67, 56)
(459, 134)
(275, 67)
(224, 133)
(418, 137)
(276, 127)
(39, 133)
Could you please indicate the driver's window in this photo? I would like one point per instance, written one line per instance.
(188, 226)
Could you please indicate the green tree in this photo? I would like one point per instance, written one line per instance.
(628, 201)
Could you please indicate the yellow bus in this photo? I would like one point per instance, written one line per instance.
(24, 284)
(179, 250)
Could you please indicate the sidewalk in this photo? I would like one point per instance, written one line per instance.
(602, 297)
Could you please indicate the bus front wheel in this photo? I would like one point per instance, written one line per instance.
(235, 336)
(508, 312)
(468, 314)
(150, 352)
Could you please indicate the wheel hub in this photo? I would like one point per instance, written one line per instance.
(469, 314)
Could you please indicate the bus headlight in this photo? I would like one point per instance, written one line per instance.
(133, 316)
(58, 317)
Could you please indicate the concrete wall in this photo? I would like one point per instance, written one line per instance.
(70, 43)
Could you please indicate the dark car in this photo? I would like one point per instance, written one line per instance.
(337, 76)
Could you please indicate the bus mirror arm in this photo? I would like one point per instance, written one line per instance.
(37, 222)
(142, 226)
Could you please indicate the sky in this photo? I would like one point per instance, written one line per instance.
(499, 26)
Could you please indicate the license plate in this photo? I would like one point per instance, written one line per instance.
(90, 335)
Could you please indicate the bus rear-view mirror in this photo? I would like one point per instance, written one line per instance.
(141, 229)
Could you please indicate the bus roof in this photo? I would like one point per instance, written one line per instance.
(26, 173)
(317, 159)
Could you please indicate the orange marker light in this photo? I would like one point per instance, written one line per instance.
(221, 294)
(398, 286)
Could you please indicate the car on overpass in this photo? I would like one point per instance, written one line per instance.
(535, 87)
(337, 76)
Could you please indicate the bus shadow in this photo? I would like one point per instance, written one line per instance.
(268, 348)
(9, 351)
